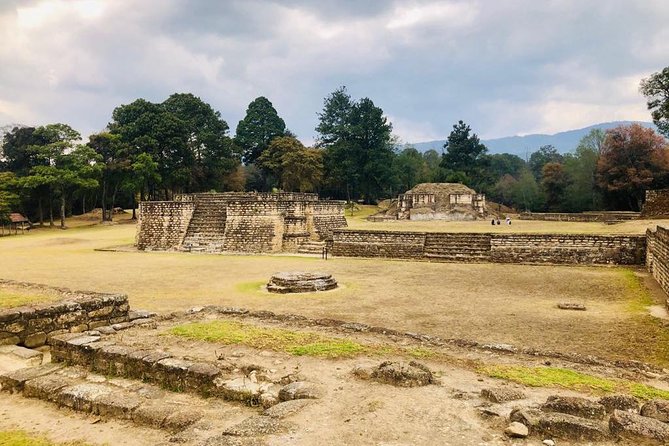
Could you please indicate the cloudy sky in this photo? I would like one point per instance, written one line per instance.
(504, 66)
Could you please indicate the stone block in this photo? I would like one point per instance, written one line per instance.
(8, 315)
(14, 381)
(657, 408)
(117, 404)
(46, 387)
(559, 425)
(502, 394)
(33, 340)
(9, 338)
(152, 414)
(637, 428)
(621, 402)
(580, 407)
(81, 397)
(200, 378)
(181, 419)
(171, 373)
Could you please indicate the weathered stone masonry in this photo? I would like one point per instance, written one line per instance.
(237, 222)
(78, 311)
(499, 248)
(657, 256)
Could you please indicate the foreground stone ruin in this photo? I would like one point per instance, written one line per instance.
(300, 282)
(238, 222)
(207, 395)
(76, 311)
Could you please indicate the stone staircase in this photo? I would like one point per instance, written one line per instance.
(311, 247)
(206, 230)
(200, 402)
(465, 247)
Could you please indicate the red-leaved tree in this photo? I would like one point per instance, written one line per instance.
(633, 159)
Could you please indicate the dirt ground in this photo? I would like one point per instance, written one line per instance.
(350, 411)
(490, 303)
(494, 303)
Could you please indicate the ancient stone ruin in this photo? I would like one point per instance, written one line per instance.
(656, 204)
(300, 282)
(238, 222)
(436, 201)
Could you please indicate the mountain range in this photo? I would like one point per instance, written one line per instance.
(524, 145)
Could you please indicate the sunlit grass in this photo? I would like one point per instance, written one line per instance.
(297, 343)
(22, 438)
(572, 380)
(10, 299)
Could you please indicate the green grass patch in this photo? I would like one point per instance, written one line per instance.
(549, 377)
(570, 379)
(640, 297)
(420, 352)
(9, 299)
(294, 342)
(251, 287)
(21, 438)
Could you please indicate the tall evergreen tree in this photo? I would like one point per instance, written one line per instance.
(260, 125)
(358, 144)
(465, 156)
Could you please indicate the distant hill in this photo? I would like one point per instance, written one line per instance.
(522, 145)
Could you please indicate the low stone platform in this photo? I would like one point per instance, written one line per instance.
(300, 282)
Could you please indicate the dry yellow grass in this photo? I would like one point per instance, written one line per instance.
(485, 302)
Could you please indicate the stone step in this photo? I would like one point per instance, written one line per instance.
(458, 257)
(163, 370)
(82, 391)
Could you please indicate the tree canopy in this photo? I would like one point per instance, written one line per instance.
(260, 125)
(656, 89)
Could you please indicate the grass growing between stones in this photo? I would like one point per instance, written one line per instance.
(22, 438)
(277, 339)
(570, 379)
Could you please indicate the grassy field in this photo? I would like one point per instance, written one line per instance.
(484, 302)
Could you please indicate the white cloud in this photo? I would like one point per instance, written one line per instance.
(508, 67)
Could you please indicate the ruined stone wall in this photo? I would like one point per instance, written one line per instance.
(657, 255)
(253, 226)
(327, 216)
(580, 216)
(389, 244)
(78, 311)
(657, 204)
(499, 248)
(162, 225)
(568, 249)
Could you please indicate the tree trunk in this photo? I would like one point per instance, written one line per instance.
(113, 201)
(51, 224)
(104, 200)
(62, 211)
(40, 211)
(134, 205)
(83, 204)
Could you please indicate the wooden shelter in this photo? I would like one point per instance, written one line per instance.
(16, 221)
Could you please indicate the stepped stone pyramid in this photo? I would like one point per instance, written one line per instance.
(239, 222)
